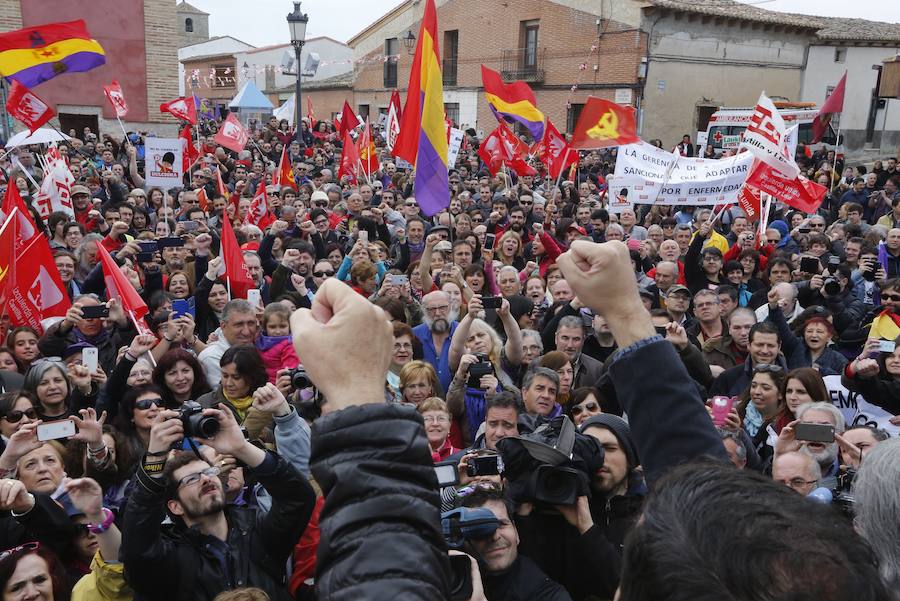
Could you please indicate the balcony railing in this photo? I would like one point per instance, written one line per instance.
(526, 64)
(448, 70)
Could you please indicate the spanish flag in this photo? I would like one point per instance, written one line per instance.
(513, 102)
(36, 54)
(423, 136)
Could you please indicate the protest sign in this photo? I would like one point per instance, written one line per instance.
(652, 175)
(164, 167)
(856, 409)
(456, 137)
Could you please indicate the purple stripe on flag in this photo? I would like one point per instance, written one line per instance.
(80, 61)
(536, 128)
(432, 187)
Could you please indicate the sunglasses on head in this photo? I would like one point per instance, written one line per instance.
(589, 406)
(767, 368)
(145, 404)
(15, 417)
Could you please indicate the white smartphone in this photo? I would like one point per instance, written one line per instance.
(55, 430)
(364, 236)
(254, 297)
(89, 358)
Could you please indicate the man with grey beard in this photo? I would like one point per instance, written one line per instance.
(436, 333)
(825, 454)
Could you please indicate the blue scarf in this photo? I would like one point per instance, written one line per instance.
(97, 340)
(475, 409)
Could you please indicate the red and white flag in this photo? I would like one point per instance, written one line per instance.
(797, 192)
(189, 152)
(750, 202)
(392, 123)
(55, 192)
(116, 98)
(349, 160)
(120, 288)
(259, 214)
(181, 108)
(232, 134)
(236, 272)
(557, 153)
(25, 106)
(26, 230)
(765, 138)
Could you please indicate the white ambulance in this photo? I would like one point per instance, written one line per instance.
(727, 125)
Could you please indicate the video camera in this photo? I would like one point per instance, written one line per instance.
(551, 464)
(839, 496)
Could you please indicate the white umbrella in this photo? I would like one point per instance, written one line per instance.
(44, 135)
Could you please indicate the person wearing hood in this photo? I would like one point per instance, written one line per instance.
(274, 344)
(786, 244)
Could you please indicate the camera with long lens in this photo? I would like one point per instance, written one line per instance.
(831, 285)
(556, 485)
(197, 425)
(482, 367)
(299, 378)
(458, 526)
(841, 497)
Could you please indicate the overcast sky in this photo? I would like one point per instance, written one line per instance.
(262, 22)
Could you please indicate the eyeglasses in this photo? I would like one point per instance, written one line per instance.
(767, 368)
(32, 546)
(398, 346)
(14, 417)
(796, 483)
(589, 406)
(323, 274)
(211, 472)
(435, 419)
(145, 404)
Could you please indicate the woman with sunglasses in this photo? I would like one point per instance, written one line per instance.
(875, 374)
(584, 404)
(763, 405)
(138, 411)
(16, 410)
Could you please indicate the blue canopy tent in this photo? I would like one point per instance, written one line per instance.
(250, 101)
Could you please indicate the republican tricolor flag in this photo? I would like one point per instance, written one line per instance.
(423, 138)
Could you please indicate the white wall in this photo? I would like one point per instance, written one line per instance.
(327, 49)
(468, 106)
(223, 45)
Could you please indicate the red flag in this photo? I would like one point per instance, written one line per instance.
(604, 123)
(25, 106)
(202, 199)
(259, 214)
(517, 150)
(750, 202)
(349, 159)
(557, 153)
(189, 152)
(285, 174)
(493, 152)
(309, 112)
(833, 104)
(232, 134)
(26, 230)
(392, 123)
(799, 193)
(348, 120)
(181, 108)
(368, 155)
(236, 271)
(116, 98)
(118, 286)
(222, 189)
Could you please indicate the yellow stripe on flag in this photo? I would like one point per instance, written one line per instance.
(521, 108)
(433, 110)
(884, 327)
(13, 61)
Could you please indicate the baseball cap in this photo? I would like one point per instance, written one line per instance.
(439, 228)
(443, 246)
(578, 229)
(678, 288)
(79, 189)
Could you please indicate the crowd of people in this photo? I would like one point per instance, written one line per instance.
(649, 416)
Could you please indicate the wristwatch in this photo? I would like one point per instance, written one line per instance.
(108, 519)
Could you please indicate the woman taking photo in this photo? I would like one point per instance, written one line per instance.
(181, 377)
(16, 410)
(466, 395)
(876, 375)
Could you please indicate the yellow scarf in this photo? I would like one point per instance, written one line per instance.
(241, 405)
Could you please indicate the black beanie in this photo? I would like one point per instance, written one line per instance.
(619, 427)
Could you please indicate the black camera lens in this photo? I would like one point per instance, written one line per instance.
(203, 426)
(461, 587)
(299, 378)
(832, 286)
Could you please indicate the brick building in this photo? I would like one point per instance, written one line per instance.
(140, 41)
(551, 44)
(218, 75)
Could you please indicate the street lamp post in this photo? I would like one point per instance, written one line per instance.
(297, 22)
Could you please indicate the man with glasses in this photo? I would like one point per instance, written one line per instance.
(212, 547)
(436, 334)
(797, 471)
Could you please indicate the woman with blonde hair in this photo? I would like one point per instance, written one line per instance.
(475, 343)
(509, 250)
(437, 428)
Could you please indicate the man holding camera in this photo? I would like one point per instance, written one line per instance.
(832, 290)
(211, 548)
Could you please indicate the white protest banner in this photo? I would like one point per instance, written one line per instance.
(55, 191)
(765, 138)
(456, 137)
(647, 172)
(163, 162)
(857, 410)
